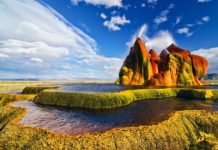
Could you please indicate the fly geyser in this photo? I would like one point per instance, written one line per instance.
(174, 66)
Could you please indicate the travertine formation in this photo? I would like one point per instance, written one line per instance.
(174, 66)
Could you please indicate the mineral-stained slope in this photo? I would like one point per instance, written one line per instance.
(174, 66)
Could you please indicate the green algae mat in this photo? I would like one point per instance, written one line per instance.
(192, 129)
(184, 130)
(118, 99)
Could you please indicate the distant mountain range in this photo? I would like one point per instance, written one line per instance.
(213, 76)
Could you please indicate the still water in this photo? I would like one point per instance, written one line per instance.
(112, 87)
(77, 121)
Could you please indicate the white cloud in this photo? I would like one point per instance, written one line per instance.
(4, 55)
(103, 16)
(178, 20)
(115, 22)
(203, 1)
(143, 5)
(211, 54)
(113, 12)
(160, 19)
(32, 32)
(189, 25)
(206, 18)
(185, 31)
(142, 31)
(106, 3)
(38, 60)
(163, 17)
(33, 49)
(171, 6)
(159, 41)
(152, 1)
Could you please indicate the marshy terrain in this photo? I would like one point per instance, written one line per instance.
(55, 115)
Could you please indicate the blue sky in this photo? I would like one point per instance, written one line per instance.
(89, 39)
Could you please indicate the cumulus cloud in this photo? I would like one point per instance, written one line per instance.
(107, 3)
(115, 22)
(159, 41)
(163, 17)
(185, 30)
(211, 55)
(33, 35)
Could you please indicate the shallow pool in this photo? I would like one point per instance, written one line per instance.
(113, 88)
(76, 121)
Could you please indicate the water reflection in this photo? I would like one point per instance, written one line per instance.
(115, 88)
(76, 121)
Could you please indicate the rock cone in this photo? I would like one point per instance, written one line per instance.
(174, 66)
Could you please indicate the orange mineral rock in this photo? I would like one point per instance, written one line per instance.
(174, 66)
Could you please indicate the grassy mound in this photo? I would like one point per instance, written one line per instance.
(118, 99)
(7, 98)
(184, 130)
(198, 93)
(7, 114)
(101, 100)
(36, 89)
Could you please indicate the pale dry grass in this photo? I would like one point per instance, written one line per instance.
(18, 86)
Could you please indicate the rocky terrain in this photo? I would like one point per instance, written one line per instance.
(174, 66)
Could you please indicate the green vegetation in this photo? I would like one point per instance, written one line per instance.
(101, 100)
(36, 89)
(7, 98)
(118, 99)
(18, 86)
(198, 94)
(7, 114)
(183, 130)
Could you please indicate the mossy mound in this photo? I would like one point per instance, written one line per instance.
(183, 130)
(101, 100)
(198, 94)
(7, 98)
(118, 99)
(36, 89)
(7, 114)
